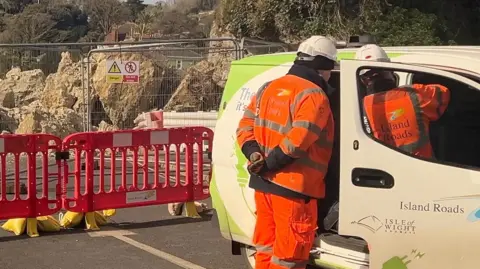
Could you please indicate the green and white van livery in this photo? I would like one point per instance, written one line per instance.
(424, 216)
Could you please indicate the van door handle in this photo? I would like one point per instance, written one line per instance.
(372, 178)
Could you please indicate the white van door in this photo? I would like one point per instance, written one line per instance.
(412, 212)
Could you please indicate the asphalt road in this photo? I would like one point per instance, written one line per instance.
(154, 232)
(136, 238)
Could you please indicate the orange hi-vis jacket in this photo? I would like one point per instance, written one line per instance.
(401, 117)
(293, 115)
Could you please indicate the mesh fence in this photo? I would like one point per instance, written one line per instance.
(63, 88)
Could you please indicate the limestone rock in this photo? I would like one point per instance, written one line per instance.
(21, 87)
(64, 88)
(57, 121)
(7, 122)
(106, 127)
(197, 91)
(222, 54)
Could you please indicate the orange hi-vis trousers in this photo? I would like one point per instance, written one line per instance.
(284, 231)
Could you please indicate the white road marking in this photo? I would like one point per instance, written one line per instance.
(122, 235)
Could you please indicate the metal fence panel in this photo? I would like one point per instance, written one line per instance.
(74, 85)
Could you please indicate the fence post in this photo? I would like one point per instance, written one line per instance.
(190, 208)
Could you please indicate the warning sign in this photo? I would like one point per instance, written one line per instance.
(114, 69)
(123, 72)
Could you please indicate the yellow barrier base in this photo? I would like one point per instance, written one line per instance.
(92, 219)
(192, 209)
(32, 225)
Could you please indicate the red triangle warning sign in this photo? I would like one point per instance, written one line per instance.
(114, 69)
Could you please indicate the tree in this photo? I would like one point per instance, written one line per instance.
(105, 15)
(30, 26)
(14, 6)
(147, 17)
(71, 22)
(45, 23)
(395, 22)
(174, 21)
(135, 7)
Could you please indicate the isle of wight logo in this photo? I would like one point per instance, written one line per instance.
(394, 115)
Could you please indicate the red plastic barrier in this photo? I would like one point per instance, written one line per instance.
(147, 174)
(32, 151)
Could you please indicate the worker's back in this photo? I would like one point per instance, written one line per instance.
(278, 105)
(400, 117)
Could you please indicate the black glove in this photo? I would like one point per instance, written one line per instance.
(256, 164)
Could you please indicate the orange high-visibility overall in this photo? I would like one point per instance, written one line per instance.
(293, 114)
(401, 117)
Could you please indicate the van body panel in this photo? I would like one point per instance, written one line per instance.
(419, 213)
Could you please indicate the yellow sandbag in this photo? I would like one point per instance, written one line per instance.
(191, 210)
(16, 226)
(90, 221)
(32, 230)
(109, 212)
(71, 219)
(100, 219)
(48, 224)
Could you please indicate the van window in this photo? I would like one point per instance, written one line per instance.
(454, 136)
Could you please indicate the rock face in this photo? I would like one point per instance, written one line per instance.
(201, 88)
(30, 102)
(198, 91)
(106, 127)
(64, 88)
(33, 103)
(59, 121)
(222, 54)
(21, 88)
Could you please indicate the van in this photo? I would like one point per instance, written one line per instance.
(412, 212)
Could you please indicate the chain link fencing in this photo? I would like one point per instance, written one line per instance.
(63, 88)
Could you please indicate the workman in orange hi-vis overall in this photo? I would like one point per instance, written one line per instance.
(287, 134)
(400, 116)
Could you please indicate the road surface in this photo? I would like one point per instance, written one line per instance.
(137, 238)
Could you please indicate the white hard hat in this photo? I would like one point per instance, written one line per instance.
(372, 52)
(318, 45)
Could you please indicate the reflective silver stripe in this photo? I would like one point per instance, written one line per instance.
(312, 164)
(299, 97)
(293, 150)
(309, 126)
(284, 129)
(259, 95)
(281, 128)
(423, 138)
(264, 249)
(322, 140)
(264, 149)
(248, 114)
(244, 129)
(289, 264)
(273, 125)
(304, 160)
